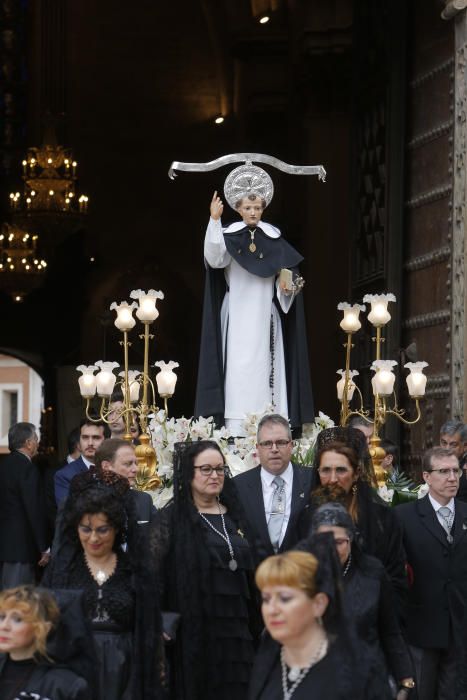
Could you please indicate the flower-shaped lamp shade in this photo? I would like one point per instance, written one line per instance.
(416, 380)
(124, 311)
(383, 381)
(106, 378)
(350, 323)
(350, 386)
(87, 381)
(133, 384)
(379, 314)
(166, 378)
(146, 312)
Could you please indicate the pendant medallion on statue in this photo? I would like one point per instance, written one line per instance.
(252, 248)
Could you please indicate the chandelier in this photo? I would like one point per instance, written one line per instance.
(137, 388)
(49, 175)
(21, 269)
(383, 379)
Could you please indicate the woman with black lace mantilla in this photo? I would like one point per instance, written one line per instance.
(208, 566)
(343, 472)
(103, 554)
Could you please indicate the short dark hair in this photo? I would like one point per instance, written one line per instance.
(391, 449)
(435, 453)
(108, 449)
(94, 423)
(73, 439)
(359, 420)
(452, 426)
(252, 196)
(18, 434)
(274, 419)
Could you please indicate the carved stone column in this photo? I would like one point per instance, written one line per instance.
(455, 9)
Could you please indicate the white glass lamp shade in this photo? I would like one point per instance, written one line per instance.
(383, 381)
(350, 323)
(166, 378)
(87, 381)
(133, 384)
(379, 314)
(146, 312)
(106, 379)
(416, 380)
(124, 311)
(351, 386)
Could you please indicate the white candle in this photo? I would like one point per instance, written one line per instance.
(124, 311)
(166, 378)
(416, 380)
(106, 379)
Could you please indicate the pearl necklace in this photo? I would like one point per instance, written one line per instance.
(233, 565)
(347, 566)
(297, 674)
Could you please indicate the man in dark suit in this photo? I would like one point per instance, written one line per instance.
(119, 456)
(276, 492)
(435, 540)
(91, 435)
(23, 539)
(453, 436)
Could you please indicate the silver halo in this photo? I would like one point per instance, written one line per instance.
(245, 180)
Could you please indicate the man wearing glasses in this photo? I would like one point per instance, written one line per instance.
(435, 540)
(274, 493)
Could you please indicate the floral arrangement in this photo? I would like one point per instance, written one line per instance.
(400, 489)
(239, 452)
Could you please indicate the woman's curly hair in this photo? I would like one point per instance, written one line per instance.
(97, 491)
(38, 607)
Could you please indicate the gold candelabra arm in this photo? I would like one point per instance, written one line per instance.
(399, 413)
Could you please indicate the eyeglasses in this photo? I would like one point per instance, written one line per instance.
(207, 470)
(341, 541)
(269, 444)
(101, 531)
(338, 471)
(447, 472)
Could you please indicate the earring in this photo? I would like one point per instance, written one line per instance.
(354, 489)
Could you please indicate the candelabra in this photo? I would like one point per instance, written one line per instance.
(383, 379)
(132, 381)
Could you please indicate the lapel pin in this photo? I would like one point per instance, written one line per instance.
(302, 495)
(240, 533)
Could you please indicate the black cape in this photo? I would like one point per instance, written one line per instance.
(270, 256)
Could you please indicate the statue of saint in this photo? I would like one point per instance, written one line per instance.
(253, 344)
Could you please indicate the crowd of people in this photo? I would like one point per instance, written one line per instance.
(283, 583)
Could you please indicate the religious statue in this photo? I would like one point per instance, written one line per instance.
(253, 351)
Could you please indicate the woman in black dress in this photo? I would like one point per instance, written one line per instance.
(102, 554)
(29, 618)
(307, 651)
(368, 597)
(343, 472)
(209, 578)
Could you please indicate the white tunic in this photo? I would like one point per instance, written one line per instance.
(246, 326)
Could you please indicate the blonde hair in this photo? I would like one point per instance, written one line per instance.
(293, 569)
(38, 607)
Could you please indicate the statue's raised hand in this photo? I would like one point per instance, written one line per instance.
(216, 207)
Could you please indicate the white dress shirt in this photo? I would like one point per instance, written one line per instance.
(87, 462)
(437, 506)
(269, 488)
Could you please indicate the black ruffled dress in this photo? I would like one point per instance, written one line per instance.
(111, 610)
(227, 610)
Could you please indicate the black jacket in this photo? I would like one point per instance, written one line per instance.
(53, 683)
(250, 491)
(438, 592)
(23, 524)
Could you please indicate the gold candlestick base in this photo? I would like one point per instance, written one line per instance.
(377, 455)
(147, 477)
